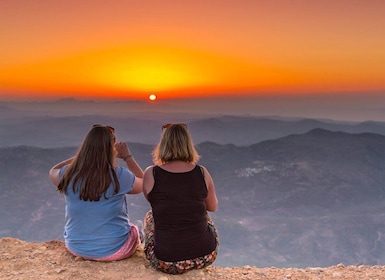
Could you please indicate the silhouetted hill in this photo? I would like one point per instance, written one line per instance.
(61, 131)
(312, 199)
(251, 130)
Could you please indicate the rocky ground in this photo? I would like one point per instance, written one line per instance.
(50, 260)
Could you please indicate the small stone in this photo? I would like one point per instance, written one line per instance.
(314, 268)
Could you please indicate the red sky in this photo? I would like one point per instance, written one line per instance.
(131, 48)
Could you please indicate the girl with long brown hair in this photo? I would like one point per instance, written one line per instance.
(97, 225)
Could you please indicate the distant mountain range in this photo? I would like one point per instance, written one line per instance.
(44, 129)
(305, 199)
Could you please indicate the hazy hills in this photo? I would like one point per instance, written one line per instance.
(65, 122)
(308, 199)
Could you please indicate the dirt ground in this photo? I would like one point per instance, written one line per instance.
(50, 260)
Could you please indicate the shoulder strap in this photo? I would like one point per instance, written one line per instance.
(203, 171)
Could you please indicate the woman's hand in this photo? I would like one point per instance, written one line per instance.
(122, 150)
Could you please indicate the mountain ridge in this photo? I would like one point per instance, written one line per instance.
(67, 130)
(311, 199)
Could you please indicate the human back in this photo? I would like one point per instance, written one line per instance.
(93, 166)
(179, 234)
(179, 210)
(95, 229)
(97, 225)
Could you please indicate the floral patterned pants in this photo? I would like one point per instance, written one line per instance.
(177, 267)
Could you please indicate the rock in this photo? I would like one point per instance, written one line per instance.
(50, 260)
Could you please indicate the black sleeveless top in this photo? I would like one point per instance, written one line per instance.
(179, 210)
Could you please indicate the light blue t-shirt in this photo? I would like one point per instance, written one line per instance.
(97, 229)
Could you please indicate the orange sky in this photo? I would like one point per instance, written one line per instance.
(130, 48)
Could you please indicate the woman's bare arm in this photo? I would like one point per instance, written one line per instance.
(211, 199)
(148, 181)
(54, 171)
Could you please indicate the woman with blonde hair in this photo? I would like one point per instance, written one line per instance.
(97, 225)
(179, 234)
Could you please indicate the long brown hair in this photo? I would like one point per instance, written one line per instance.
(92, 170)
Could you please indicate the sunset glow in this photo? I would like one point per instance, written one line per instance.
(131, 48)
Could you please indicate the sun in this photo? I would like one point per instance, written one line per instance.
(152, 97)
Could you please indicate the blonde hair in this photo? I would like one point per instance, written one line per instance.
(175, 144)
(93, 166)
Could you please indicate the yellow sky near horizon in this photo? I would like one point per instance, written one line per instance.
(190, 48)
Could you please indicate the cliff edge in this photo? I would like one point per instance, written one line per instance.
(50, 260)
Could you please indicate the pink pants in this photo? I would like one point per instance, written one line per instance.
(126, 251)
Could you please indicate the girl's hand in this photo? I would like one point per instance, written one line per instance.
(122, 150)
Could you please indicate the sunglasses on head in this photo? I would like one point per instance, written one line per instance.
(110, 128)
(170, 124)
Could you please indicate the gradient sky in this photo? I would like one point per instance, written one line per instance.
(131, 48)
